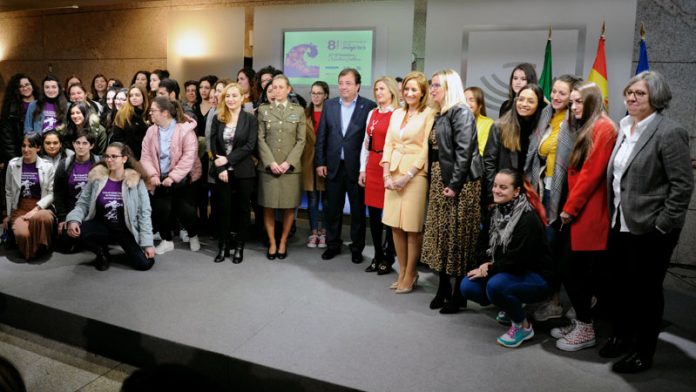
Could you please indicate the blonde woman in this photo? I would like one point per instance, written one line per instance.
(404, 165)
(454, 210)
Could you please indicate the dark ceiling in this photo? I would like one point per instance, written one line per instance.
(25, 5)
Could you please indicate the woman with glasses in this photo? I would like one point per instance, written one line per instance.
(114, 206)
(312, 184)
(21, 91)
(386, 93)
(170, 157)
(454, 210)
(650, 181)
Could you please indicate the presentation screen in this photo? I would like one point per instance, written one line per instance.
(311, 55)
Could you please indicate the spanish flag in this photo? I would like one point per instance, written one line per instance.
(598, 74)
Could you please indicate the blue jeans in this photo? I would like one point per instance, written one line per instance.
(313, 200)
(507, 291)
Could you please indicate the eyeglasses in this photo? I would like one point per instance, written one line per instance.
(435, 86)
(318, 94)
(154, 110)
(637, 94)
(112, 157)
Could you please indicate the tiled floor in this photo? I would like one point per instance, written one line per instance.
(50, 366)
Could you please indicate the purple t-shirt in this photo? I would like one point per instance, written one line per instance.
(76, 181)
(110, 203)
(50, 119)
(31, 187)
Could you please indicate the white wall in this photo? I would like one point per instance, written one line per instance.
(205, 42)
(392, 20)
(505, 32)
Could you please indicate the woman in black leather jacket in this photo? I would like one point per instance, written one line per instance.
(454, 212)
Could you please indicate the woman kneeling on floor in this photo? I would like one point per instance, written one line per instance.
(115, 206)
(520, 268)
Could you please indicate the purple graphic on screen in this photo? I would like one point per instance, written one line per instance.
(295, 66)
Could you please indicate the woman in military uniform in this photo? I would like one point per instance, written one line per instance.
(281, 141)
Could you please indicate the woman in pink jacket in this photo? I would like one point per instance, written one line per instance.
(170, 157)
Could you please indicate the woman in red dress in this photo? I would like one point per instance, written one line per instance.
(386, 94)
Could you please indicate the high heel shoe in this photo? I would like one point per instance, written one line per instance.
(394, 285)
(282, 255)
(238, 253)
(271, 256)
(408, 289)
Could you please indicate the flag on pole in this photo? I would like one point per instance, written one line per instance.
(598, 74)
(643, 64)
(546, 78)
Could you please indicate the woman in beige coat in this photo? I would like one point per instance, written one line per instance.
(281, 142)
(405, 169)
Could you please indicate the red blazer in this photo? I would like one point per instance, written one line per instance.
(587, 192)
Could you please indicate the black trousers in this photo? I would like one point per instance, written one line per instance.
(376, 229)
(234, 207)
(578, 275)
(336, 190)
(97, 235)
(169, 203)
(638, 266)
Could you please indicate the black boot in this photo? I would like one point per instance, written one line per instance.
(223, 249)
(238, 252)
(444, 292)
(101, 262)
(457, 302)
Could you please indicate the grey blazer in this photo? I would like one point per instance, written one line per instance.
(13, 183)
(657, 183)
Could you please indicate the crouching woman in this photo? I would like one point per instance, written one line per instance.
(519, 270)
(114, 206)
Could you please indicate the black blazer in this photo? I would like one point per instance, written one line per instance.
(330, 139)
(239, 160)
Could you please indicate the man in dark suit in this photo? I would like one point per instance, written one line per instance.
(339, 140)
(650, 180)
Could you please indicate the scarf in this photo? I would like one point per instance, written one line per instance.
(503, 222)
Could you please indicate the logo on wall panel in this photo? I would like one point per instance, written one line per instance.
(295, 66)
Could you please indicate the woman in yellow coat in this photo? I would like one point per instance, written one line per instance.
(281, 142)
(405, 169)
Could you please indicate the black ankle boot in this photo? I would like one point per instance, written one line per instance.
(444, 292)
(238, 253)
(101, 262)
(223, 251)
(457, 302)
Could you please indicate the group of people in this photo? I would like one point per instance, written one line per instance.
(506, 212)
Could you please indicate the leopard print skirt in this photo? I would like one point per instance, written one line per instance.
(452, 227)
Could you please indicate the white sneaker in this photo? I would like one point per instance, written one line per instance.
(194, 244)
(164, 247)
(547, 311)
(183, 234)
(582, 336)
(156, 237)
